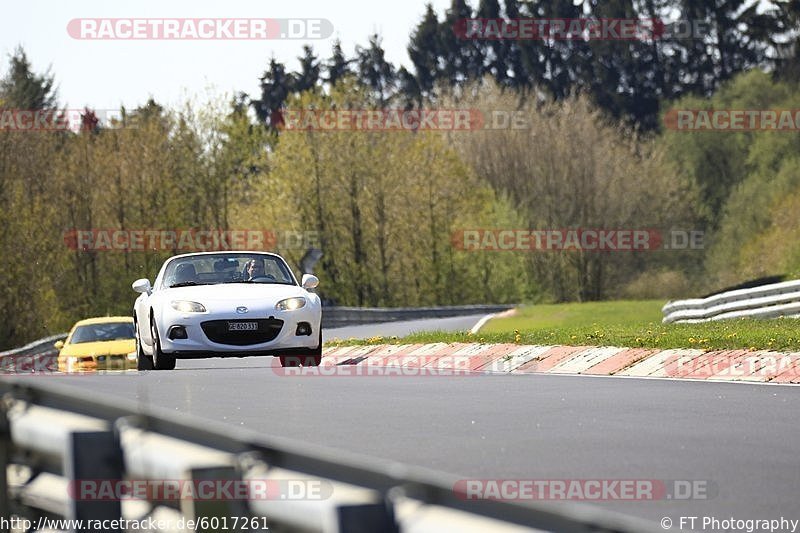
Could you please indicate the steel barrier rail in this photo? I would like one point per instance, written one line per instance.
(53, 436)
(766, 301)
(338, 316)
(44, 345)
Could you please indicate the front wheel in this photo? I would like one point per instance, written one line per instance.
(143, 361)
(161, 361)
(313, 358)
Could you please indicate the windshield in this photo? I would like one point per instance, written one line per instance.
(108, 331)
(217, 269)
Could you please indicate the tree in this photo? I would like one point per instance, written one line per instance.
(21, 88)
(386, 204)
(567, 167)
(787, 43)
(276, 86)
(309, 74)
(28, 164)
(462, 59)
(623, 76)
(494, 61)
(518, 76)
(338, 66)
(745, 178)
(626, 78)
(374, 71)
(425, 52)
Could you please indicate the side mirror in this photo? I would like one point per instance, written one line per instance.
(309, 281)
(141, 285)
(58, 345)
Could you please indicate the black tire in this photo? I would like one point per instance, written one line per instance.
(161, 361)
(313, 358)
(143, 361)
(290, 361)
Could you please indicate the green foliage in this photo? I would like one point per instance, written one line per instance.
(21, 88)
(385, 206)
(566, 166)
(747, 181)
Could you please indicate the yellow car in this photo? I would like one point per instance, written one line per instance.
(107, 343)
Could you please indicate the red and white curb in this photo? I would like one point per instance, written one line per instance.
(727, 365)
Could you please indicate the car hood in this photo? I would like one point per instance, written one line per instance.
(83, 349)
(240, 293)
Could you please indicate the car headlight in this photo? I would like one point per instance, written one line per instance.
(290, 304)
(185, 306)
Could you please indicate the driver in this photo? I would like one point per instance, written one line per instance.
(254, 269)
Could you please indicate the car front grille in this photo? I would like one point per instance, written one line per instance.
(218, 331)
(115, 357)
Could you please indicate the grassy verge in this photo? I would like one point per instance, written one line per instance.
(635, 324)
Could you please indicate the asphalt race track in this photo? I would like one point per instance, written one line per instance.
(740, 439)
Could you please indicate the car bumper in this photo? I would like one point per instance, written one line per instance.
(92, 364)
(198, 343)
(116, 362)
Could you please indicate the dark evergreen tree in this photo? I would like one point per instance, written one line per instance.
(462, 59)
(276, 86)
(408, 88)
(338, 66)
(425, 51)
(21, 88)
(374, 71)
(494, 50)
(517, 77)
(309, 74)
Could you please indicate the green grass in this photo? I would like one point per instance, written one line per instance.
(635, 324)
(559, 316)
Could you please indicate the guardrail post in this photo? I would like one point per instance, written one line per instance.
(94, 457)
(215, 511)
(365, 518)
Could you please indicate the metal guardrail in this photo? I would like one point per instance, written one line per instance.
(37, 356)
(37, 347)
(339, 316)
(52, 438)
(766, 301)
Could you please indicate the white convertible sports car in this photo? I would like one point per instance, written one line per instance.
(227, 304)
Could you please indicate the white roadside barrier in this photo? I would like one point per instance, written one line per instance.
(767, 301)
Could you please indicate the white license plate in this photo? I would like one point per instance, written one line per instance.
(242, 326)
